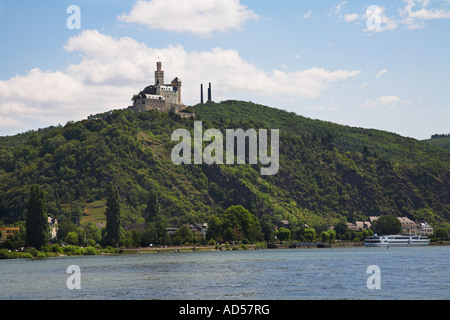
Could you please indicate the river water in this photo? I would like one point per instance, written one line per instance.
(275, 274)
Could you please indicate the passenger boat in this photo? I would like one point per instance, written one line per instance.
(396, 240)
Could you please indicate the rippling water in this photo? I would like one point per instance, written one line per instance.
(337, 273)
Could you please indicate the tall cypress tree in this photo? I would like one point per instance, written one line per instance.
(37, 224)
(152, 210)
(113, 216)
(155, 219)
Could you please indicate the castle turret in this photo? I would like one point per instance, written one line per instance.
(176, 84)
(159, 74)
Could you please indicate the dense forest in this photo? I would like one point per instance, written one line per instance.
(328, 173)
(442, 141)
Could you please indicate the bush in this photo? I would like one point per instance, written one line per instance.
(41, 255)
(69, 250)
(5, 254)
(90, 251)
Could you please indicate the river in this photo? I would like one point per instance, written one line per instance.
(273, 274)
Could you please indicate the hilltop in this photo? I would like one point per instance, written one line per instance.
(386, 145)
(442, 142)
(328, 172)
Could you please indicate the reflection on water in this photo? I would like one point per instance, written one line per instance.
(338, 273)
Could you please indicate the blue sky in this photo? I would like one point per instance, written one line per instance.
(319, 59)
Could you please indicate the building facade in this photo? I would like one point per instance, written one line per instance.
(6, 232)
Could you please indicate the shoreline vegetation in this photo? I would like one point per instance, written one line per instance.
(70, 250)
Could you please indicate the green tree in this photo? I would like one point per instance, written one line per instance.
(113, 216)
(229, 234)
(184, 233)
(72, 238)
(149, 236)
(309, 234)
(76, 212)
(425, 214)
(241, 221)
(64, 228)
(92, 232)
(283, 234)
(37, 224)
(155, 222)
(325, 236)
(332, 234)
(160, 225)
(152, 210)
(215, 228)
(441, 233)
(341, 228)
(386, 225)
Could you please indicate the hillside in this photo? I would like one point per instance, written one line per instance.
(443, 143)
(326, 175)
(386, 145)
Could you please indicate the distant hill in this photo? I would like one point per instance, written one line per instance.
(386, 145)
(328, 172)
(442, 142)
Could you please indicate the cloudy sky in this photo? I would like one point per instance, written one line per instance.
(380, 64)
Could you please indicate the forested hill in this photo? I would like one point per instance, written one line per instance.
(442, 142)
(328, 173)
(383, 144)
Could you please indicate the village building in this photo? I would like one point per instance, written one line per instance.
(53, 225)
(408, 226)
(6, 232)
(424, 229)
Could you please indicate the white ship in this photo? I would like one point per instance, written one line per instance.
(396, 240)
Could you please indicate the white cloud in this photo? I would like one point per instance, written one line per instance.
(377, 21)
(349, 17)
(384, 101)
(339, 6)
(379, 74)
(412, 15)
(307, 15)
(107, 79)
(364, 85)
(194, 16)
(423, 13)
(414, 19)
(374, 18)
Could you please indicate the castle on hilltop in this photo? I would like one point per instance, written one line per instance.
(160, 96)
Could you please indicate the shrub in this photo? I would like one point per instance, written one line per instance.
(90, 251)
(69, 249)
(41, 255)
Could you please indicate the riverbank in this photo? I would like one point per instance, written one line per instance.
(63, 251)
(237, 247)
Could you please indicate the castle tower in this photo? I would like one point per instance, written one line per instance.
(159, 74)
(176, 84)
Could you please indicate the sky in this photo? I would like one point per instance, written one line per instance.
(381, 64)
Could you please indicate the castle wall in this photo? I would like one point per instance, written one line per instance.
(161, 97)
